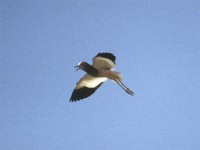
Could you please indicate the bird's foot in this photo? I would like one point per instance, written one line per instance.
(129, 91)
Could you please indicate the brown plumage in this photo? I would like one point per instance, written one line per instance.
(97, 73)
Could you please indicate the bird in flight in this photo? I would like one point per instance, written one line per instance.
(96, 74)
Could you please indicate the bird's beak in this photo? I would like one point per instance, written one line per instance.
(77, 67)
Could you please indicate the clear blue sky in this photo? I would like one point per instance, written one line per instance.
(157, 45)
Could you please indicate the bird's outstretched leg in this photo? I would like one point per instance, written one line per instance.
(113, 76)
(127, 90)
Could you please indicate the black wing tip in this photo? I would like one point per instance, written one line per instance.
(107, 55)
(79, 94)
(74, 100)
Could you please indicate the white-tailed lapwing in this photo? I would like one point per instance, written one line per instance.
(96, 74)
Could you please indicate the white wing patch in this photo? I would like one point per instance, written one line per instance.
(89, 81)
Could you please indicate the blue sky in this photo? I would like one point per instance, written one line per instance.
(157, 48)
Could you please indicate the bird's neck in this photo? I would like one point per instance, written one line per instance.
(91, 70)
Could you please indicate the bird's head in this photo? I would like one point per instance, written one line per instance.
(81, 65)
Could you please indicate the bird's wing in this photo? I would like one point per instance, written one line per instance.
(86, 86)
(104, 61)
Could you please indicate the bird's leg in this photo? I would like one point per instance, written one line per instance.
(127, 90)
(114, 77)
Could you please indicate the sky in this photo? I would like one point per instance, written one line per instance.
(157, 47)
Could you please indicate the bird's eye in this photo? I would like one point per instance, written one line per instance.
(83, 64)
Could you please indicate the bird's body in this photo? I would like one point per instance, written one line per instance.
(97, 73)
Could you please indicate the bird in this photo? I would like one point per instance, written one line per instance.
(96, 74)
